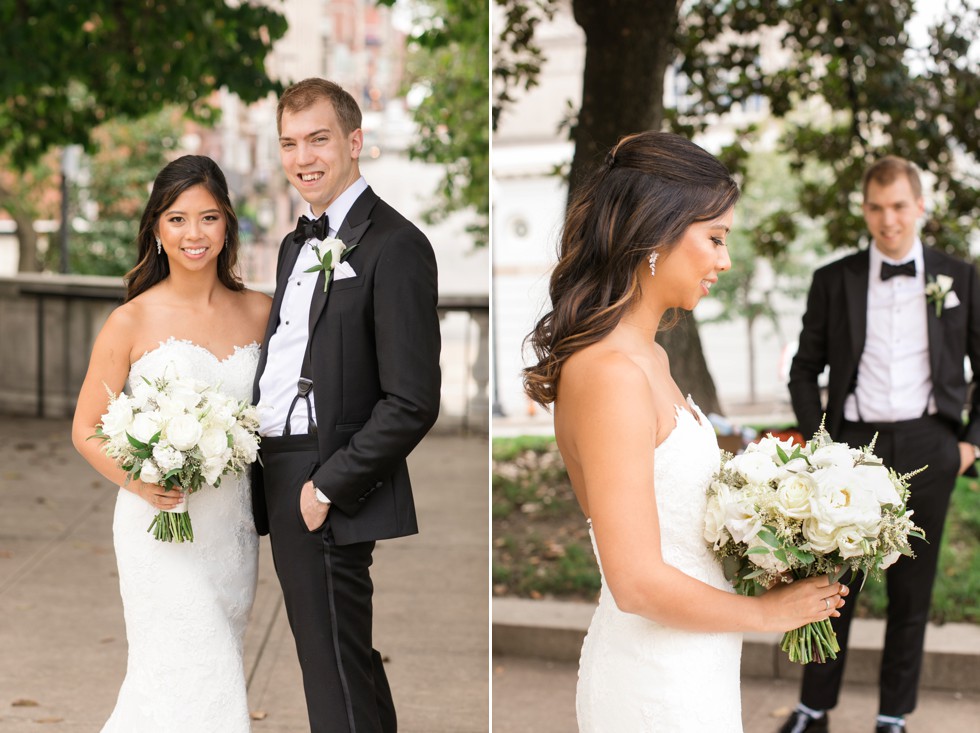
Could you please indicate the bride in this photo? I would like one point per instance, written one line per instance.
(186, 605)
(645, 235)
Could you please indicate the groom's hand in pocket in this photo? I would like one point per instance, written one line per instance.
(314, 512)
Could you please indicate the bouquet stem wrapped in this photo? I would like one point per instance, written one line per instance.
(781, 511)
(182, 434)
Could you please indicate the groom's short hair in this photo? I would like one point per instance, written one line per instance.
(886, 170)
(306, 93)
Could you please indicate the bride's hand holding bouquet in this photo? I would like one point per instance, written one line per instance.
(179, 434)
(781, 512)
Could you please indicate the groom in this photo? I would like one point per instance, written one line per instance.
(895, 348)
(347, 385)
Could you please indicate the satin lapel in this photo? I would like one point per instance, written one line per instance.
(289, 261)
(933, 326)
(856, 294)
(350, 233)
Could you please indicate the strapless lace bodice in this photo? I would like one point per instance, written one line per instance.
(636, 674)
(233, 374)
(186, 605)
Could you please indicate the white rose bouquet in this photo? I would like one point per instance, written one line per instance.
(178, 432)
(781, 511)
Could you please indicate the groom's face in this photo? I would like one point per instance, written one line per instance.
(318, 156)
(891, 211)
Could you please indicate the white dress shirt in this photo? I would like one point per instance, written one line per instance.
(278, 384)
(894, 379)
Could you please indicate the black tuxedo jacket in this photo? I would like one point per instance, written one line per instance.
(376, 380)
(834, 329)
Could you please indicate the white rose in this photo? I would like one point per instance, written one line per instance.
(755, 468)
(149, 473)
(119, 417)
(335, 247)
(183, 432)
(835, 454)
(877, 481)
(167, 457)
(145, 425)
(793, 496)
(213, 443)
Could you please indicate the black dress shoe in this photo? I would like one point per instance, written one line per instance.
(799, 722)
(890, 728)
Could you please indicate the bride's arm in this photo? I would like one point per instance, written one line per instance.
(609, 410)
(108, 368)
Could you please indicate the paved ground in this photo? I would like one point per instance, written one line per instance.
(62, 639)
(539, 696)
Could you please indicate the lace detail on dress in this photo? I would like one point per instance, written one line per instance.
(637, 675)
(186, 605)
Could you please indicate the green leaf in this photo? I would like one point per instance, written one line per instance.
(782, 454)
(767, 535)
(758, 551)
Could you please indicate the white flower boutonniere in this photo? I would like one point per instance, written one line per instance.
(336, 252)
(938, 291)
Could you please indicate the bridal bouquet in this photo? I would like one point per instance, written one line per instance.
(781, 511)
(178, 432)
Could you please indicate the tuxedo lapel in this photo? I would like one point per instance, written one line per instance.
(856, 295)
(350, 233)
(932, 268)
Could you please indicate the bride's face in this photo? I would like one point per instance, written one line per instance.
(687, 273)
(192, 229)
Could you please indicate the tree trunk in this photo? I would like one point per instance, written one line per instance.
(687, 364)
(26, 243)
(628, 46)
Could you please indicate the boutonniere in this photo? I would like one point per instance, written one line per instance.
(336, 252)
(939, 291)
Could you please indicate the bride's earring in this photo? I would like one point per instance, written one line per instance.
(159, 246)
(653, 263)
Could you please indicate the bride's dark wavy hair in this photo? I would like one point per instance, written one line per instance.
(651, 188)
(175, 178)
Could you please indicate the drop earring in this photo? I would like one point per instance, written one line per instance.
(159, 246)
(653, 263)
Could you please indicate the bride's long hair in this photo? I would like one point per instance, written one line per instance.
(175, 178)
(650, 189)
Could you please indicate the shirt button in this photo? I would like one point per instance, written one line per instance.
(287, 323)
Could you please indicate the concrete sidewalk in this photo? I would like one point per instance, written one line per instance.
(62, 637)
(536, 645)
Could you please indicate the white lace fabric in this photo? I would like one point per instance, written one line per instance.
(640, 676)
(186, 605)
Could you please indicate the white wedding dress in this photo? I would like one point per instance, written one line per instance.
(186, 605)
(637, 676)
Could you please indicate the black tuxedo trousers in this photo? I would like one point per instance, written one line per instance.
(904, 446)
(327, 590)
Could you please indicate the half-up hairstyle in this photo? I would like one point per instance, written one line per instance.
(651, 187)
(175, 178)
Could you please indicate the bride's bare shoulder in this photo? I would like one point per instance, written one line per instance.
(601, 369)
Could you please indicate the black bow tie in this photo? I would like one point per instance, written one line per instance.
(890, 271)
(306, 229)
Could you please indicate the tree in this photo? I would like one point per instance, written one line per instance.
(128, 156)
(71, 66)
(450, 58)
(850, 87)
